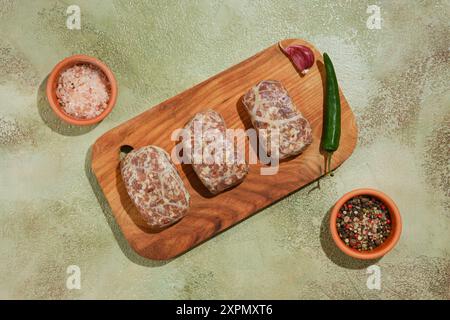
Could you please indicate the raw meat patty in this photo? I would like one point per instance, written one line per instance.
(212, 167)
(153, 184)
(270, 107)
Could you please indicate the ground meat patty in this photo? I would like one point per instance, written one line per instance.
(153, 184)
(270, 107)
(213, 154)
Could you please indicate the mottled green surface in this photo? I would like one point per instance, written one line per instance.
(52, 214)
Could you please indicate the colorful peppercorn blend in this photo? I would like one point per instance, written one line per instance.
(363, 223)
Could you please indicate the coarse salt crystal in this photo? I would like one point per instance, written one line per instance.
(83, 91)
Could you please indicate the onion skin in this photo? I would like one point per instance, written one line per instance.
(301, 56)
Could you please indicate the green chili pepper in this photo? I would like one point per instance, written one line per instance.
(332, 113)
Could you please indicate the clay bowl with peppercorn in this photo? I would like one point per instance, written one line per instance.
(81, 90)
(365, 224)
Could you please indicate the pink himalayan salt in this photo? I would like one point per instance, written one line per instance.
(83, 91)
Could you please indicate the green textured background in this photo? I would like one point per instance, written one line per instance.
(52, 214)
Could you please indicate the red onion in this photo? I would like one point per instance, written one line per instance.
(301, 56)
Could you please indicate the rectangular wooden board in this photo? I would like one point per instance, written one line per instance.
(208, 215)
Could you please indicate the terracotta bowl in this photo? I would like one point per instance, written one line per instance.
(52, 83)
(387, 245)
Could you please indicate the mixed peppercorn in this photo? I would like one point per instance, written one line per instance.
(363, 223)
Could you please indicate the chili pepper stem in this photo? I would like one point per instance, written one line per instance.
(328, 163)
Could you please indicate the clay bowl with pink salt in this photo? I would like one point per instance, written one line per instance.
(81, 90)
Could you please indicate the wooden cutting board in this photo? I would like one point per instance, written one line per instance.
(210, 215)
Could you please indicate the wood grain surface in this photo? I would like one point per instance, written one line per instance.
(209, 215)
